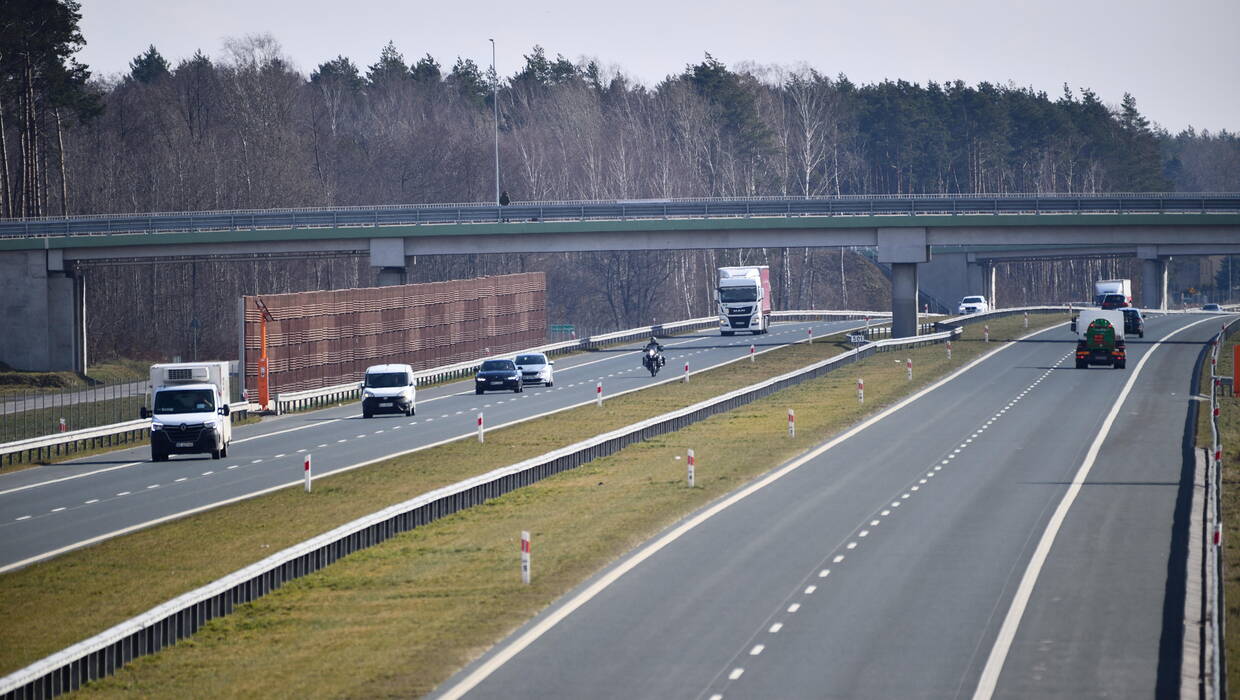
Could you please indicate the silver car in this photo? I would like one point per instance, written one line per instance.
(535, 369)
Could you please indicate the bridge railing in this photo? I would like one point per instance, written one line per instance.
(181, 617)
(620, 210)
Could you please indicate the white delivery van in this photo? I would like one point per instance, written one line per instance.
(389, 389)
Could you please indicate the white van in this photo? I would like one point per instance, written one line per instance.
(389, 389)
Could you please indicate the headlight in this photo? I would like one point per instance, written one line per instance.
(479, 379)
(156, 426)
(368, 394)
(210, 425)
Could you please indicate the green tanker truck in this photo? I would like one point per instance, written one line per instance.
(1100, 338)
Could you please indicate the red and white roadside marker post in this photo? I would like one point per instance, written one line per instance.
(792, 423)
(1026, 319)
(63, 426)
(525, 557)
(986, 332)
(751, 352)
(686, 379)
(692, 463)
(598, 394)
(867, 322)
(810, 333)
(860, 390)
(305, 468)
(908, 364)
(949, 349)
(480, 437)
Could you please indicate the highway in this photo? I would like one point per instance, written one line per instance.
(887, 563)
(51, 509)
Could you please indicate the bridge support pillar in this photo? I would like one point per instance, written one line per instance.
(1153, 277)
(388, 254)
(982, 277)
(43, 305)
(903, 249)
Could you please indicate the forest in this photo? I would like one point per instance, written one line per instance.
(247, 130)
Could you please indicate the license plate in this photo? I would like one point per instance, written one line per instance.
(387, 404)
(497, 381)
(185, 444)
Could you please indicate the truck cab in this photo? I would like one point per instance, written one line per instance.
(744, 297)
(189, 410)
(1100, 339)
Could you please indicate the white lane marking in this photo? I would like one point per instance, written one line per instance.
(184, 478)
(123, 493)
(885, 513)
(716, 696)
(340, 441)
(24, 517)
(736, 673)
(323, 445)
(757, 649)
(905, 496)
(153, 486)
(794, 607)
(824, 573)
(279, 455)
(304, 449)
(852, 545)
(255, 461)
(838, 558)
(364, 434)
(57, 510)
(93, 500)
(208, 473)
(1007, 632)
(809, 590)
(49, 482)
(776, 627)
(234, 466)
(874, 522)
(863, 533)
(922, 481)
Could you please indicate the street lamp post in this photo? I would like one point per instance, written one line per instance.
(495, 104)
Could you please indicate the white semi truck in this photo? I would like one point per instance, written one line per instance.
(1105, 287)
(744, 296)
(189, 409)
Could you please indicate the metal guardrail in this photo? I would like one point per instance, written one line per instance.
(59, 444)
(181, 617)
(1214, 589)
(622, 210)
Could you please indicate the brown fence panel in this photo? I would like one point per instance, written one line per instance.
(324, 338)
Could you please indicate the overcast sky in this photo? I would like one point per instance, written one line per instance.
(1181, 60)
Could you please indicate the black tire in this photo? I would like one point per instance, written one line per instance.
(549, 384)
(413, 410)
(216, 454)
(654, 369)
(1082, 364)
(367, 414)
(1141, 334)
(159, 456)
(224, 450)
(477, 390)
(1120, 364)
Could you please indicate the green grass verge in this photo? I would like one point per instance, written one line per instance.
(20, 382)
(444, 592)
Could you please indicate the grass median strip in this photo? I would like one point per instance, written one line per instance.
(451, 583)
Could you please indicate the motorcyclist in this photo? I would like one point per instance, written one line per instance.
(658, 349)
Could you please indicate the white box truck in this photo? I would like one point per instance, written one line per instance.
(744, 296)
(1105, 287)
(189, 409)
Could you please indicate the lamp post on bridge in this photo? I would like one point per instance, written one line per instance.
(495, 105)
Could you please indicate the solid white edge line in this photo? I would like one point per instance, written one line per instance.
(1007, 632)
(553, 618)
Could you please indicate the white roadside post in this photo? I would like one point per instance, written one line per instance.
(1026, 319)
(686, 379)
(986, 332)
(949, 349)
(792, 423)
(692, 464)
(525, 557)
(306, 469)
(867, 322)
(810, 333)
(908, 363)
(598, 394)
(860, 390)
(480, 438)
(751, 353)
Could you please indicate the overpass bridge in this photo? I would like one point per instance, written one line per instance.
(42, 291)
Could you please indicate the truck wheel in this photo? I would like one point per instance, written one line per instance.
(1082, 364)
(549, 384)
(1119, 364)
(159, 456)
(224, 450)
(477, 390)
(413, 410)
(216, 454)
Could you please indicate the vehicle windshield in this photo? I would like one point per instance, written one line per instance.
(1211, 307)
(172, 401)
(731, 295)
(531, 360)
(972, 300)
(1117, 299)
(497, 365)
(386, 380)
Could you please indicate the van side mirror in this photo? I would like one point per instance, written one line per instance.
(551, 362)
(144, 413)
(361, 386)
(224, 410)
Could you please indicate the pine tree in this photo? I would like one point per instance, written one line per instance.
(148, 67)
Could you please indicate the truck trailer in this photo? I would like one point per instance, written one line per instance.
(1105, 287)
(1100, 338)
(744, 298)
(189, 409)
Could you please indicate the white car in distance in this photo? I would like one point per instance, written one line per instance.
(971, 305)
(535, 369)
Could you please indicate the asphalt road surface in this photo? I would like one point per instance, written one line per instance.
(51, 509)
(885, 564)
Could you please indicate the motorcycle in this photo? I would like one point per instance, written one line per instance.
(652, 361)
